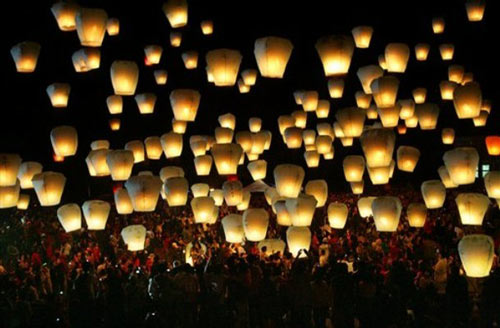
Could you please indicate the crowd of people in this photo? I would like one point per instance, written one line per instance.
(188, 276)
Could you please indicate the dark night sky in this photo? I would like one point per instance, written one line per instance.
(28, 117)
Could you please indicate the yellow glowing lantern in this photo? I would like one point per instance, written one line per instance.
(481, 119)
(319, 190)
(407, 158)
(379, 175)
(325, 129)
(172, 144)
(175, 39)
(190, 59)
(86, 59)
(336, 87)
(417, 214)
(223, 135)
(367, 74)
(310, 101)
(271, 246)
(419, 95)
(448, 136)
(25, 56)
(301, 210)
(9, 195)
(161, 76)
(257, 169)
(472, 207)
(200, 189)
(124, 77)
(96, 214)
(371, 112)
(434, 193)
(462, 163)
(411, 122)
(323, 109)
(427, 115)
(309, 137)
(245, 201)
(422, 51)
(185, 103)
(378, 146)
(207, 27)
(357, 187)
(96, 162)
(176, 191)
(354, 167)
(447, 88)
(64, 140)
(255, 223)
(23, 202)
(153, 148)
(49, 187)
(272, 55)
(386, 213)
(227, 120)
(115, 104)
(153, 53)
(179, 126)
(323, 144)
(137, 148)
(113, 26)
(176, 12)
(171, 172)
(283, 217)
(120, 163)
(233, 192)
(70, 217)
(438, 25)
(224, 65)
(445, 178)
(293, 137)
(477, 252)
(203, 209)
(365, 206)
(249, 76)
(337, 215)
(58, 94)
(10, 170)
(134, 236)
(298, 240)
(396, 57)
(65, 15)
(288, 179)
(226, 157)
(218, 196)
(335, 52)
(99, 144)
(492, 184)
(312, 158)
(300, 117)
(198, 145)
(493, 145)
(385, 91)
(456, 73)
(446, 50)
(389, 116)
(254, 124)
(144, 191)
(233, 228)
(91, 26)
(475, 10)
(123, 202)
(351, 120)
(362, 36)
(363, 100)
(114, 124)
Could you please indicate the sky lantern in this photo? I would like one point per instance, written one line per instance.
(323, 144)
(124, 77)
(325, 129)
(319, 190)
(419, 95)
(176, 191)
(64, 140)
(434, 193)
(123, 203)
(293, 137)
(486, 105)
(254, 124)
(249, 76)
(224, 65)
(161, 76)
(96, 213)
(176, 12)
(492, 184)
(362, 36)
(407, 108)
(171, 172)
(185, 103)
(203, 209)
(144, 191)
(365, 206)
(438, 25)
(417, 214)
(288, 179)
(475, 10)
(49, 187)
(427, 115)
(446, 51)
(257, 169)
(203, 164)
(351, 120)
(481, 119)
(396, 57)
(226, 157)
(114, 124)
(86, 59)
(179, 126)
(472, 207)
(134, 236)
(113, 26)
(456, 73)
(309, 137)
(402, 129)
(58, 94)
(242, 87)
(310, 100)
(233, 228)
(300, 117)
(301, 209)
(357, 187)
(407, 158)
(255, 223)
(153, 148)
(445, 178)
(9, 195)
(227, 120)
(371, 112)
(378, 146)
(379, 175)
(337, 215)
(462, 163)
(283, 217)
(91, 26)
(25, 173)
(271, 246)
(335, 52)
(354, 167)
(411, 122)
(389, 116)
(386, 213)
(336, 87)
(115, 104)
(65, 15)
(447, 88)
(153, 53)
(70, 217)
(385, 91)
(137, 148)
(233, 192)
(367, 74)
(467, 100)
(218, 196)
(25, 56)
(493, 145)
(422, 51)
(120, 163)
(207, 27)
(175, 39)
(448, 136)
(312, 158)
(363, 100)
(272, 55)
(10, 165)
(96, 162)
(223, 135)
(245, 140)
(172, 144)
(200, 189)
(477, 252)
(297, 239)
(245, 201)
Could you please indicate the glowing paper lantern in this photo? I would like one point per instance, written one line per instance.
(223, 135)
(233, 228)
(120, 163)
(124, 77)
(64, 140)
(255, 223)
(272, 55)
(203, 209)
(379, 175)
(176, 12)
(389, 116)
(357, 187)
(96, 214)
(300, 117)
(49, 187)
(179, 126)
(386, 213)
(161, 76)
(378, 146)
(324, 144)
(172, 144)
(417, 214)
(171, 172)
(207, 27)
(319, 190)
(245, 201)
(301, 210)
(257, 169)
(354, 167)
(91, 26)
(190, 59)
(115, 104)
(362, 36)
(385, 91)
(10, 165)
(96, 162)
(481, 119)
(351, 120)
(493, 145)
(448, 136)
(337, 215)
(113, 26)
(363, 100)
(422, 51)
(86, 59)
(226, 157)
(283, 217)
(467, 100)
(271, 246)
(462, 163)
(134, 236)
(65, 15)
(25, 56)
(365, 206)
(472, 207)
(185, 103)
(475, 10)
(335, 52)
(224, 65)
(175, 39)
(123, 202)
(492, 184)
(218, 196)
(447, 88)
(396, 57)
(288, 179)
(293, 137)
(23, 202)
(114, 124)
(203, 164)
(9, 195)
(407, 158)
(323, 109)
(58, 94)
(427, 115)
(446, 50)
(176, 191)
(137, 148)
(70, 217)
(312, 158)
(233, 192)
(445, 178)
(438, 25)
(310, 101)
(144, 191)
(200, 189)
(477, 252)
(367, 74)
(153, 148)
(434, 193)
(153, 53)
(25, 172)
(298, 238)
